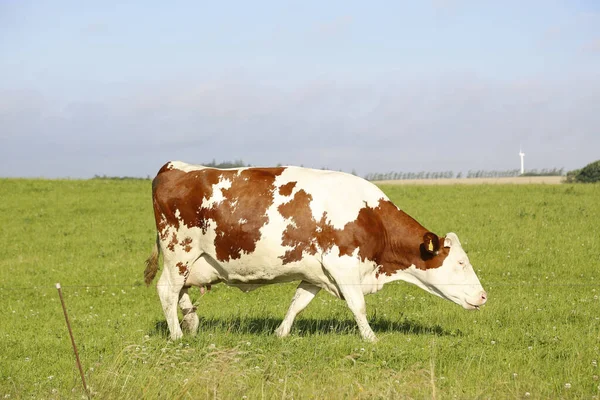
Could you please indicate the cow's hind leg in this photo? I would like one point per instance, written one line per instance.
(169, 287)
(190, 321)
(304, 295)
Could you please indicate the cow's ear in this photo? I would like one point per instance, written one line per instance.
(431, 243)
(451, 240)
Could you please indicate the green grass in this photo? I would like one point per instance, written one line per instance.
(536, 250)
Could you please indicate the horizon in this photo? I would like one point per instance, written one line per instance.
(371, 176)
(442, 85)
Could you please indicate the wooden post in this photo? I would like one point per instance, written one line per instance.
(62, 301)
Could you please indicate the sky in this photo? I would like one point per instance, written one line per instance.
(119, 88)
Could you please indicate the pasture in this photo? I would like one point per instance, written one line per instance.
(535, 247)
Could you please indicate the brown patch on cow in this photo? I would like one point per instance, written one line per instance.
(384, 235)
(183, 269)
(237, 218)
(186, 244)
(302, 234)
(286, 190)
(173, 241)
(162, 227)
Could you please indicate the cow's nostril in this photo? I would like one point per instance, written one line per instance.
(483, 296)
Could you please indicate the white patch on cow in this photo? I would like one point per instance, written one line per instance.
(217, 193)
(185, 167)
(271, 233)
(339, 194)
(223, 183)
(243, 221)
(346, 262)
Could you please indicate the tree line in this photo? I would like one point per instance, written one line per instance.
(389, 176)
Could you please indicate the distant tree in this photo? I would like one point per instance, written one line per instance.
(226, 164)
(588, 174)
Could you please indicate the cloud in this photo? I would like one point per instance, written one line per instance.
(459, 123)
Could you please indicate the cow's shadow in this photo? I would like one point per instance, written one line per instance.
(309, 326)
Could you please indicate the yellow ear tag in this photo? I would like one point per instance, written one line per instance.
(430, 247)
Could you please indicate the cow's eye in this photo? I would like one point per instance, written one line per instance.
(462, 262)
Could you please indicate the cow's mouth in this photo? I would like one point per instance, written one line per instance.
(470, 306)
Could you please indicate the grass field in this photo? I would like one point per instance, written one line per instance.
(536, 249)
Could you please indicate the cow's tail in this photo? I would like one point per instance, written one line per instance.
(152, 263)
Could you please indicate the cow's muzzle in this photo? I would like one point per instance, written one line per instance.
(474, 302)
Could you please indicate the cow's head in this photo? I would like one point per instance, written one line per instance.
(455, 279)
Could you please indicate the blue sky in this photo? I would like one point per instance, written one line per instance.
(118, 88)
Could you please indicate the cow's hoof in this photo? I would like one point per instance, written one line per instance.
(281, 333)
(371, 339)
(190, 324)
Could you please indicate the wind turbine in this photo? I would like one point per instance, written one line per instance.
(522, 155)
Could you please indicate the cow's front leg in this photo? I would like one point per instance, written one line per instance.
(304, 295)
(356, 302)
(347, 280)
(169, 286)
(190, 321)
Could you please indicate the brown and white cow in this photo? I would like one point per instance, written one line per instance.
(250, 227)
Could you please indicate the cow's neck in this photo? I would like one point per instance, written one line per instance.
(403, 238)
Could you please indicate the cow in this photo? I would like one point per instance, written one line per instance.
(249, 227)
